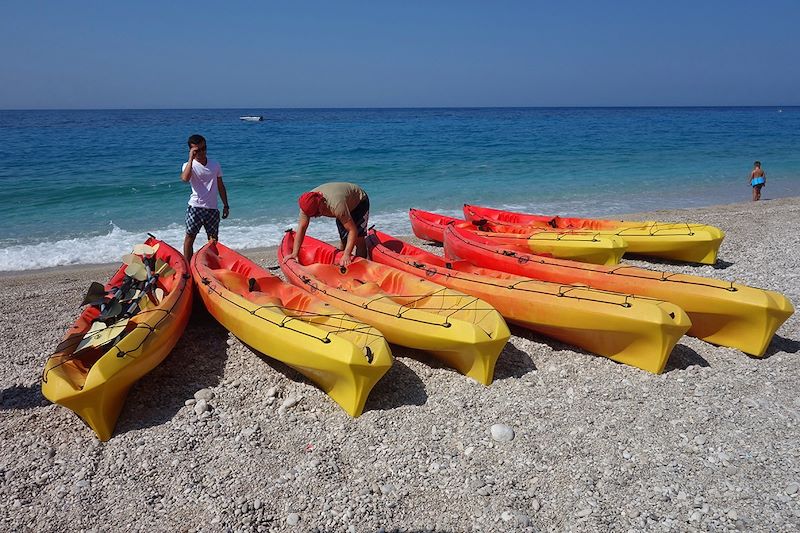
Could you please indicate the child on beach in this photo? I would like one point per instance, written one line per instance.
(205, 177)
(758, 179)
(348, 204)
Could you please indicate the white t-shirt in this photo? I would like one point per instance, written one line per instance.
(204, 183)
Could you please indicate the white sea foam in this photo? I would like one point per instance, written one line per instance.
(110, 247)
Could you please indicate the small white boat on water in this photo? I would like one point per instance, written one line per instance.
(252, 118)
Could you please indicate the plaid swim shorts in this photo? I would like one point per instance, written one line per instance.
(360, 215)
(202, 217)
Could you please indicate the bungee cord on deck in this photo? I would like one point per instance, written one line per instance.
(616, 270)
(302, 316)
(404, 308)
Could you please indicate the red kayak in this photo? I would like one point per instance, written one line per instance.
(589, 247)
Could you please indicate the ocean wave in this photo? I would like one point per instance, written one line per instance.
(111, 246)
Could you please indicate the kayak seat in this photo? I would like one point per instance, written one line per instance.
(367, 289)
(233, 281)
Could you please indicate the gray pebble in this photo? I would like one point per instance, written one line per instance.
(792, 488)
(204, 394)
(293, 519)
(200, 407)
(475, 484)
(291, 401)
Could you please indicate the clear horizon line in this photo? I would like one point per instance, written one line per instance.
(780, 106)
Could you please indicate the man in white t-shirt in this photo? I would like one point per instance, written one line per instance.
(205, 177)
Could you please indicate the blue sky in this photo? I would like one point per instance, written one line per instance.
(432, 53)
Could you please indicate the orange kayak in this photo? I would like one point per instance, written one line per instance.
(633, 330)
(342, 355)
(462, 331)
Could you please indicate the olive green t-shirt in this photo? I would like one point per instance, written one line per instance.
(340, 198)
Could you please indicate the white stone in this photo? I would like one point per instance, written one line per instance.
(502, 433)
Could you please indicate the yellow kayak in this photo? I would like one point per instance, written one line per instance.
(464, 332)
(342, 355)
(130, 325)
(694, 243)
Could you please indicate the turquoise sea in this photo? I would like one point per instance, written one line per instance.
(84, 186)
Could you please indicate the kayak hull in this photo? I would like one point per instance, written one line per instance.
(463, 332)
(95, 383)
(341, 355)
(721, 312)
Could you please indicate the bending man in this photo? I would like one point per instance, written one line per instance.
(348, 204)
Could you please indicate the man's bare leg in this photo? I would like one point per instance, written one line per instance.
(188, 246)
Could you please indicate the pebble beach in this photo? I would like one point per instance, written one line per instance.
(220, 438)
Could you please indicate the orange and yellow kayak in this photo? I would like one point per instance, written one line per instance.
(695, 243)
(579, 246)
(464, 332)
(128, 327)
(722, 312)
(628, 329)
(341, 354)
